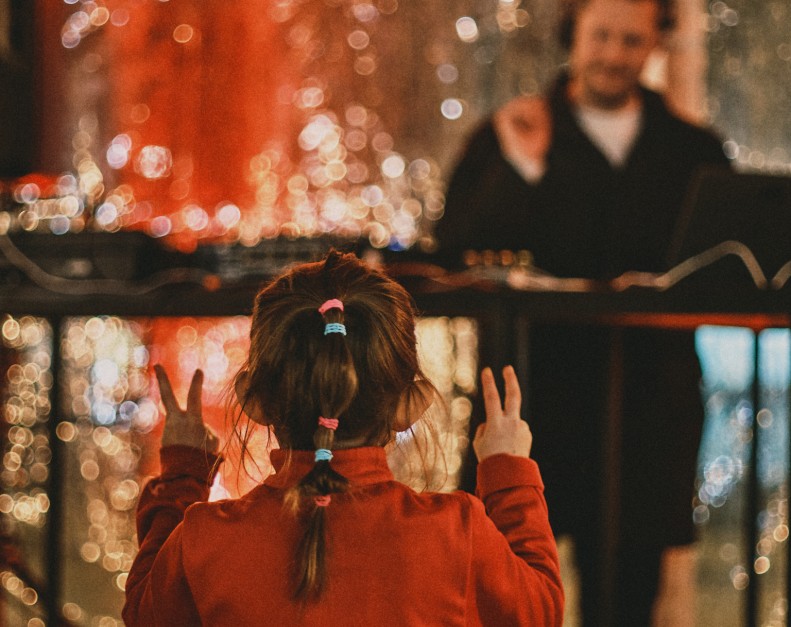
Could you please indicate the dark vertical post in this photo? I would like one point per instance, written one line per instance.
(610, 513)
(55, 514)
(753, 495)
(521, 359)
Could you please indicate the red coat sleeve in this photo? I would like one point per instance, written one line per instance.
(186, 475)
(515, 566)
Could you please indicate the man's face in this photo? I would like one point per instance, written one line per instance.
(611, 42)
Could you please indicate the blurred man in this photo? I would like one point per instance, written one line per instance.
(590, 179)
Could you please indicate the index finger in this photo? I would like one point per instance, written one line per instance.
(165, 390)
(491, 397)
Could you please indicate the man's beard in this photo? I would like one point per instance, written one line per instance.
(609, 99)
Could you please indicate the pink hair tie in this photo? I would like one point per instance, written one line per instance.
(329, 423)
(322, 501)
(333, 303)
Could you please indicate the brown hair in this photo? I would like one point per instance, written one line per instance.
(295, 373)
(571, 8)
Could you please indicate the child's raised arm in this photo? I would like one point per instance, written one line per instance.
(188, 466)
(515, 561)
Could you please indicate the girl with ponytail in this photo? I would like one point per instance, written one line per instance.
(331, 538)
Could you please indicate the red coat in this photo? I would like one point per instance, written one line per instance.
(395, 557)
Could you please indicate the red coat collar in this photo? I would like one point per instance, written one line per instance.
(361, 466)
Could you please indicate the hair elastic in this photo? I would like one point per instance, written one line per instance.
(334, 327)
(328, 423)
(322, 501)
(323, 455)
(333, 303)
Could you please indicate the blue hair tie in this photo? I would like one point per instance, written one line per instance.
(334, 327)
(323, 454)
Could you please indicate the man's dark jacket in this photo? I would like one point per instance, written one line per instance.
(588, 219)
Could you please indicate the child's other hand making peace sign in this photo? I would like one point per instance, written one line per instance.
(504, 430)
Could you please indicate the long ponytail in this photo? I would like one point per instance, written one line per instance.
(334, 380)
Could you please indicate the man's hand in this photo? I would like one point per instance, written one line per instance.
(185, 427)
(524, 130)
(504, 430)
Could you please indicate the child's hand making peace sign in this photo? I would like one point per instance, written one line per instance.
(185, 427)
(504, 430)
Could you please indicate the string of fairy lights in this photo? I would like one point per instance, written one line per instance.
(26, 449)
(348, 177)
